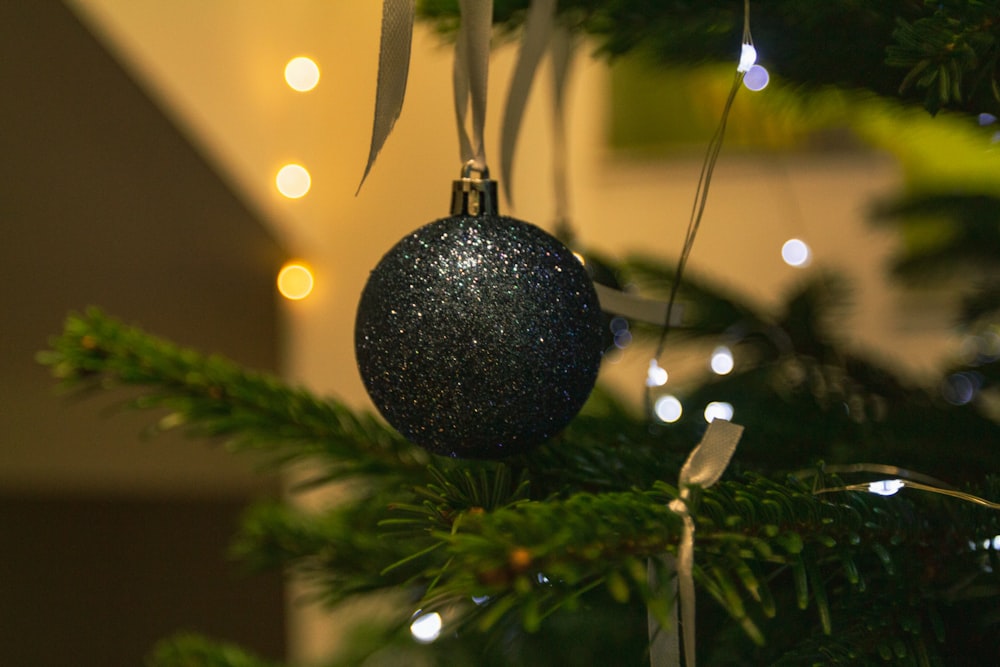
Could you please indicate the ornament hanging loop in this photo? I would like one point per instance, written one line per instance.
(474, 196)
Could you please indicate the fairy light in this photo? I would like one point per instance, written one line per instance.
(293, 181)
(718, 410)
(748, 56)
(795, 252)
(295, 281)
(886, 487)
(668, 409)
(756, 78)
(722, 362)
(620, 330)
(656, 376)
(426, 628)
(960, 388)
(302, 74)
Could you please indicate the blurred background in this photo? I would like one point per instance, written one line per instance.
(142, 142)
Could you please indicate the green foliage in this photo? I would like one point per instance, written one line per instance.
(189, 650)
(951, 54)
(944, 54)
(514, 553)
(208, 396)
(943, 230)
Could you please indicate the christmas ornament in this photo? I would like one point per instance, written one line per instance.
(478, 335)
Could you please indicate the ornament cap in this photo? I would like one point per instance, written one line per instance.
(474, 196)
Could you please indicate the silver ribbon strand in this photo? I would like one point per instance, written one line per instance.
(472, 57)
(703, 468)
(537, 35)
(393, 70)
(562, 51)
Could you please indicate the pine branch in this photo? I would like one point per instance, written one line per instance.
(208, 396)
(942, 54)
(189, 650)
(533, 558)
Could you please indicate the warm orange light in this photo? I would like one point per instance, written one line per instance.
(302, 74)
(293, 181)
(295, 281)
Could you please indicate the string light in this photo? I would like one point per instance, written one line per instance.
(656, 376)
(886, 487)
(302, 74)
(756, 78)
(293, 181)
(748, 56)
(295, 281)
(722, 362)
(668, 409)
(426, 628)
(718, 410)
(796, 253)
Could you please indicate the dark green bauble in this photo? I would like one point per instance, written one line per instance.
(479, 336)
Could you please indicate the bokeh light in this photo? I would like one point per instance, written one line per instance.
(425, 628)
(295, 281)
(293, 181)
(668, 408)
(302, 74)
(756, 78)
(722, 361)
(656, 376)
(796, 253)
(961, 388)
(718, 410)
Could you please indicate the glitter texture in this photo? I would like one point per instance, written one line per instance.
(478, 337)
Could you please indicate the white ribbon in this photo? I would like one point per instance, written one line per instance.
(703, 468)
(393, 70)
(472, 52)
(538, 26)
(562, 57)
(472, 57)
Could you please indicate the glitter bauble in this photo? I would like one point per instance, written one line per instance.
(479, 336)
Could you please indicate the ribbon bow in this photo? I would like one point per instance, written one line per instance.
(703, 468)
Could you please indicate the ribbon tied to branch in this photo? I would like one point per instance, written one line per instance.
(703, 468)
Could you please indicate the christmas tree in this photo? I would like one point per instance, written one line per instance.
(810, 550)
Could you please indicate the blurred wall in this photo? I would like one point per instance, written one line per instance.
(108, 541)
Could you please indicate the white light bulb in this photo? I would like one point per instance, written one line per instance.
(796, 253)
(668, 409)
(656, 376)
(886, 487)
(748, 56)
(722, 361)
(718, 410)
(425, 628)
